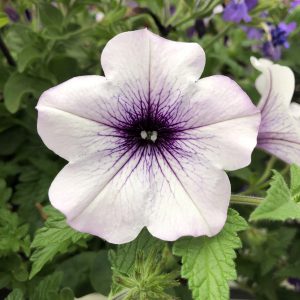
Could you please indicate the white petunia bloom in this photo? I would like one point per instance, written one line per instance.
(279, 132)
(147, 144)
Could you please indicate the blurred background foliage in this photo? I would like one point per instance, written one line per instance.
(46, 42)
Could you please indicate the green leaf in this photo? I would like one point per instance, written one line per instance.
(13, 234)
(124, 257)
(16, 294)
(20, 85)
(279, 204)
(139, 269)
(101, 273)
(295, 182)
(5, 192)
(3, 19)
(208, 263)
(47, 287)
(27, 56)
(54, 238)
(50, 15)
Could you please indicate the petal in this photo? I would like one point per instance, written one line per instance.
(104, 195)
(295, 111)
(279, 132)
(275, 84)
(191, 199)
(72, 117)
(148, 59)
(225, 123)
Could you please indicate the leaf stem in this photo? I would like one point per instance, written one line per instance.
(246, 200)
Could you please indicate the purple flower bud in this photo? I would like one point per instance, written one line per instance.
(295, 282)
(12, 14)
(28, 15)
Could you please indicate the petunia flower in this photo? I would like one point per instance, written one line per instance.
(147, 144)
(238, 10)
(279, 132)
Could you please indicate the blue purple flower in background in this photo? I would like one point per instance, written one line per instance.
(278, 35)
(238, 10)
(294, 3)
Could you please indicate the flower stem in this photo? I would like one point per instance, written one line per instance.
(267, 171)
(246, 200)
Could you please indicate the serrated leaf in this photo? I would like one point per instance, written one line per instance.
(295, 182)
(56, 237)
(279, 204)
(208, 263)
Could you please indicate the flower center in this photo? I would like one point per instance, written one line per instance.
(149, 135)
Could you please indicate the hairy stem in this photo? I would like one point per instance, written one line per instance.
(245, 200)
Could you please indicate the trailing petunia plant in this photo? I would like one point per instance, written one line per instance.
(169, 170)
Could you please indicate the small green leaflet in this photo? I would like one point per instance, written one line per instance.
(280, 203)
(54, 238)
(208, 263)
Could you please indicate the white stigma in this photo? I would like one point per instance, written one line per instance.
(149, 135)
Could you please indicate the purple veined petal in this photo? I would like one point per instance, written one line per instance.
(192, 198)
(279, 132)
(226, 126)
(146, 137)
(107, 195)
(147, 60)
(72, 116)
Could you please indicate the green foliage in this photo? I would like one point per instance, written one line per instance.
(41, 257)
(208, 263)
(139, 270)
(54, 238)
(280, 203)
(16, 294)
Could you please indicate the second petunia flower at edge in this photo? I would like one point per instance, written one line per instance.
(147, 144)
(279, 132)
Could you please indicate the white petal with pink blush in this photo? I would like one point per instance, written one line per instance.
(147, 145)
